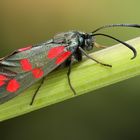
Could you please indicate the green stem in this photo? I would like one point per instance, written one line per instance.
(86, 76)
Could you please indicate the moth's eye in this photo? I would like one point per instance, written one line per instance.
(88, 41)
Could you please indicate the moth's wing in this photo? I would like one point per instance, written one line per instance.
(23, 68)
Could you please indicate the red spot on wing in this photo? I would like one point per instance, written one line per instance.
(2, 83)
(13, 85)
(54, 52)
(24, 49)
(37, 73)
(3, 78)
(63, 57)
(26, 65)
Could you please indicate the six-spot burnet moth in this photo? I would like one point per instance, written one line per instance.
(25, 66)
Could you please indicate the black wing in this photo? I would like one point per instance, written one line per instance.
(24, 67)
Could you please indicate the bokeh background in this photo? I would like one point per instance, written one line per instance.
(110, 113)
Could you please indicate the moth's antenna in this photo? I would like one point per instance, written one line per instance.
(117, 25)
(124, 43)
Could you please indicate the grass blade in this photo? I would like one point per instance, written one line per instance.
(86, 76)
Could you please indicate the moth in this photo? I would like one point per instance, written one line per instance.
(25, 66)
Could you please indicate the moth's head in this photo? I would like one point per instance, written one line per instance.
(88, 42)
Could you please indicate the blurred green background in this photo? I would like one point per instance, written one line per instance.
(110, 113)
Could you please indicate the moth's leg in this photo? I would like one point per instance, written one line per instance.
(41, 83)
(69, 64)
(78, 55)
(88, 56)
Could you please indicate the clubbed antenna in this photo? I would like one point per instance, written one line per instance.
(117, 25)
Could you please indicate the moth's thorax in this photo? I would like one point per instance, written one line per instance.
(75, 39)
(65, 37)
